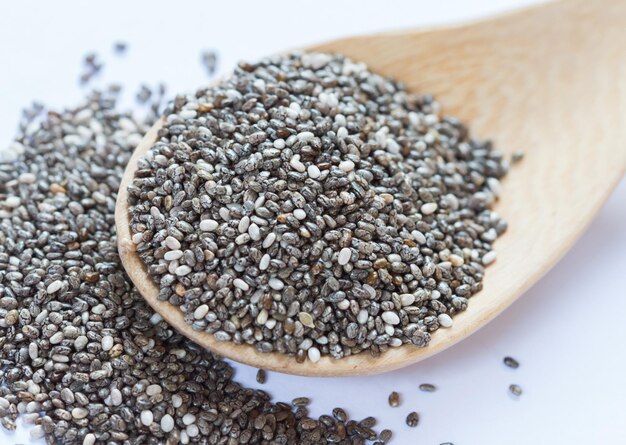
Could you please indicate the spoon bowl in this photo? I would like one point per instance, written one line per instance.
(551, 81)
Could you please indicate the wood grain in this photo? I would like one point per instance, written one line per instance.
(550, 81)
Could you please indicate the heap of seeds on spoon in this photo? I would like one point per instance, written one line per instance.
(82, 357)
(310, 207)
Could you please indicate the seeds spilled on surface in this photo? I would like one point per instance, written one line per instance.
(412, 419)
(516, 390)
(511, 362)
(394, 399)
(82, 356)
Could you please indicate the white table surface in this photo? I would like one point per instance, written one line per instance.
(568, 331)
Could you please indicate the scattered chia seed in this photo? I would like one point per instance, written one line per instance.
(385, 436)
(412, 419)
(90, 59)
(515, 390)
(394, 399)
(120, 47)
(511, 362)
(144, 94)
(427, 387)
(209, 61)
(320, 208)
(300, 401)
(517, 156)
(261, 376)
(92, 67)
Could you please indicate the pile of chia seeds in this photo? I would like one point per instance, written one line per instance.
(310, 207)
(82, 357)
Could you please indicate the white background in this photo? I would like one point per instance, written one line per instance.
(568, 331)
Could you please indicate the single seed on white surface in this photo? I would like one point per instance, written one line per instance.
(445, 320)
(390, 318)
(344, 256)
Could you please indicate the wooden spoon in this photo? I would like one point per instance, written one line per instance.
(550, 81)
